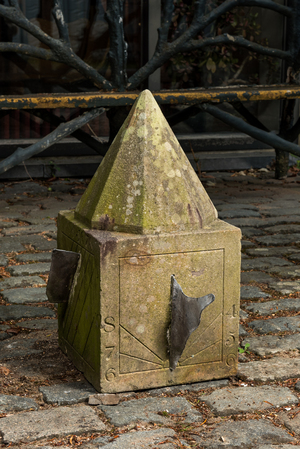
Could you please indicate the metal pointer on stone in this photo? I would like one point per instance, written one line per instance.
(185, 318)
(62, 272)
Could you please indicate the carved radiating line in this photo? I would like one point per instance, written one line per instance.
(139, 341)
(88, 335)
(204, 330)
(139, 358)
(206, 347)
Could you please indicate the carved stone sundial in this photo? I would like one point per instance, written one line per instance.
(144, 218)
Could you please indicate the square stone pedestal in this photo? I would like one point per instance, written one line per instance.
(114, 326)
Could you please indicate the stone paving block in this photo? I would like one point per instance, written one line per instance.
(269, 307)
(260, 263)
(248, 232)
(252, 292)
(190, 387)
(286, 287)
(3, 261)
(30, 229)
(277, 212)
(24, 295)
(263, 222)
(7, 224)
(277, 446)
(10, 244)
(271, 344)
(278, 251)
(22, 281)
(147, 439)
(68, 393)
(41, 324)
(286, 272)
(283, 229)
(248, 399)
(256, 276)
(244, 435)
(18, 347)
(17, 312)
(147, 409)
(291, 420)
(280, 324)
(247, 244)
(10, 403)
(277, 368)
(237, 213)
(278, 239)
(29, 269)
(295, 257)
(3, 334)
(56, 422)
(242, 331)
(34, 257)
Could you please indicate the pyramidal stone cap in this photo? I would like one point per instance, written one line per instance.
(145, 183)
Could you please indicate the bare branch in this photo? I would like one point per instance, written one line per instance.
(163, 31)
(60, 22)
(28, 50)
(240, 42)
(60, 49)
(269, 138)
(118, 46)
(63, 130)
(199, 23)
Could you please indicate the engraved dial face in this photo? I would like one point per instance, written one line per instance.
(145, 308)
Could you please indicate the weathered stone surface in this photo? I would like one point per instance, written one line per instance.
(278, 251)
(256, 276)
(246, 399)
(286, 272)
(191, 387)
(7, 224)
(277, 211)
(260, 263)
(22, 281)
(10, 244)
(278, 239)
(16, 312)
(25, 295)
(67, 394)
(41, 324)
(104, 399)
(9, 403)
(248, 232)
(29, 269)
(271, 344)
(247, 244)
(252, 292)
(272, 369)
(3, 260)
(263, 222)
(147, 439)
(286, 287)
(283, 229)
(280, 324)
(269, 307)
(242, 331)
(238, 213)
(245, 435)
(152, 158)
(56, 422)
(28, 230)
(148, 409)
(18, 347)
(34, 257)
(291, 420)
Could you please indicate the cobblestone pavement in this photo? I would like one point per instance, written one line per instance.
(45, 402)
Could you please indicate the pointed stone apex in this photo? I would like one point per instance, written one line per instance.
(145, 184)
